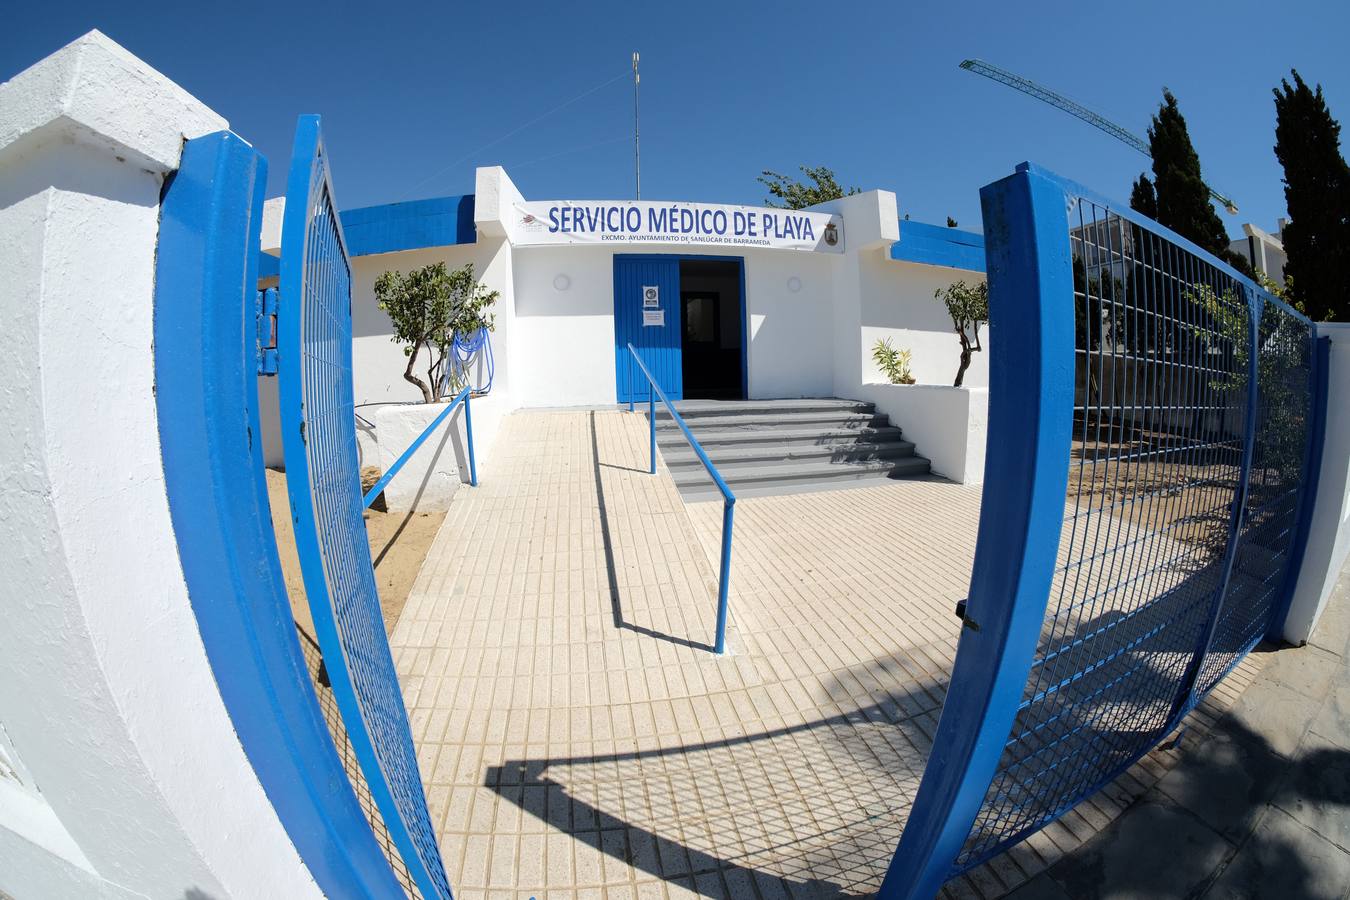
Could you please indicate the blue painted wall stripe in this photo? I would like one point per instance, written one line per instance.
(935, 245)
(438, 222)
(207, 402)
(269, 266)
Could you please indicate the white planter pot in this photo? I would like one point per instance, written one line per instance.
(428, 480)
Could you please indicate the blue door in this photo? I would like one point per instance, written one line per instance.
(649, 320)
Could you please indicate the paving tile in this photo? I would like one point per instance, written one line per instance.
(1283, 858)
(1332, 721)
(1226, 780)
(580, 737)
(1317, 792)
(1307, 670)
(1111, 864)
(1275, 713)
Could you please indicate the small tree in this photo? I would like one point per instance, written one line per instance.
(793, 194)
(969, 308)
(428, 307)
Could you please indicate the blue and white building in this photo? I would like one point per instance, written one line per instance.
(732, 301)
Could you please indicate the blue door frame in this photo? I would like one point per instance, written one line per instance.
(661, 347)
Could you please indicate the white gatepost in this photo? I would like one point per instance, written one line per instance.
(1329, 531)
(120, 772)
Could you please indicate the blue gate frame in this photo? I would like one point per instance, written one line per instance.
(323, 479)
(1141, 524)
(206, 394)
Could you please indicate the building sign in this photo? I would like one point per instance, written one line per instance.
(543, 222)
(651, 296)
(654, 317)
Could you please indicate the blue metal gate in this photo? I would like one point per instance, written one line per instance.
(649, 323)
(318, 426)
(1152, 411)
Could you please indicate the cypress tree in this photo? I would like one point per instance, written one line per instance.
(1182, 198)
(1317, 194)
(1142, 197)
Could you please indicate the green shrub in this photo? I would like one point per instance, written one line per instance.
(892, 362)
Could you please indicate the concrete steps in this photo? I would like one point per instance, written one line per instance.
(766, 447)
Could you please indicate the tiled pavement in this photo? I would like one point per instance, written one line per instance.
(1259, 809)
(578, 738)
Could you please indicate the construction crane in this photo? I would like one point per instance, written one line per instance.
(1044, 94)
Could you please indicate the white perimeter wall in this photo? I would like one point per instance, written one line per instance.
(898, 303)
(129, 779)
(1329, 536)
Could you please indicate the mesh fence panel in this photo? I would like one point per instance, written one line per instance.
(1161, 340)
(1265, 540)
(339, 577)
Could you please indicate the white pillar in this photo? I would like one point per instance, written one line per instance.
(1329, 536)
(124, 774)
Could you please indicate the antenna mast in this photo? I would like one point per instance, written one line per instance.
(637, 143)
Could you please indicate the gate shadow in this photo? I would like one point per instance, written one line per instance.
(808, 809)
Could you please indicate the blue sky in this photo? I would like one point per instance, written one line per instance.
(415, 95)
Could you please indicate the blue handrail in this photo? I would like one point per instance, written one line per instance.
(728, 498)
(463, 395)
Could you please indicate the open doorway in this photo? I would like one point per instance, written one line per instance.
(712, 330)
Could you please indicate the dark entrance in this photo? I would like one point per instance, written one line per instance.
(712, 328)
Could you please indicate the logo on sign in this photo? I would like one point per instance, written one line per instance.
(651, 297)
(831, 234)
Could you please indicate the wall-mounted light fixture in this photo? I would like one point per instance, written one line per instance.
(794, 284)
(561, 282)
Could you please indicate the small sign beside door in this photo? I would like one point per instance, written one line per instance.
(651, 297)
(654, 317)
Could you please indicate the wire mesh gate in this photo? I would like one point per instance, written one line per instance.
(323, 480)
(1138, 535)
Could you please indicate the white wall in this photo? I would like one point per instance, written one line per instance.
(898, 303)
(565, 352)
(948, 425)
(106, 695)
(791, 333)
(566, 337)
(1329, 536)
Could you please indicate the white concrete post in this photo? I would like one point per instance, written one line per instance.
(133, 781)
(1329, 536)
(871, 224)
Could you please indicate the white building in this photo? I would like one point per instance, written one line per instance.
(1263, 250)
(749, 303)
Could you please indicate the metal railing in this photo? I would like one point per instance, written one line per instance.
(728, 498)
(462, 396)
